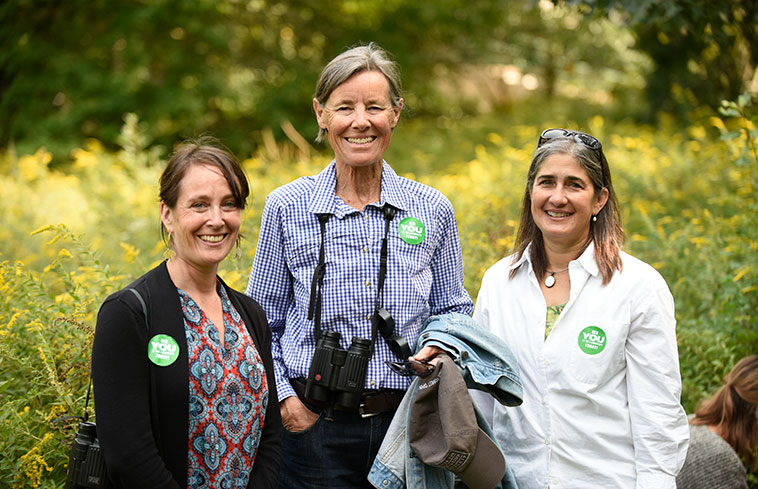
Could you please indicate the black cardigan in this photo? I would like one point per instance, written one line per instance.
(142, 409)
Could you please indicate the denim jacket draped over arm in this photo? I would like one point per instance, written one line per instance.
(486, 364)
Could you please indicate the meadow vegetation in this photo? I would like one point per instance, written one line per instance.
(74, 233)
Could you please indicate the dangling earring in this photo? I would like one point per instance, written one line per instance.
(238, 253)
(169, 253)
(594, 218)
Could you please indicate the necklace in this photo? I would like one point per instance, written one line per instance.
(550, 279)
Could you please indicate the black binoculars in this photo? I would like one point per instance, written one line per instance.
(337, 376)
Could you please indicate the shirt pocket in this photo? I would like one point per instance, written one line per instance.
(413, 263)
(597, 350)
(302, 253)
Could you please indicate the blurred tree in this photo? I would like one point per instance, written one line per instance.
(72, 70)
(704, 52)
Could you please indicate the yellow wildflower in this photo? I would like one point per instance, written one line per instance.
(130, 252)
(741, 273)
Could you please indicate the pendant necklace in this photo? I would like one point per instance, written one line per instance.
(550, 279)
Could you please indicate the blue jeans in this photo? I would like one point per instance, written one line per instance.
(332, 454)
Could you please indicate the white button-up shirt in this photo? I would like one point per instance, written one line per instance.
(601, 394)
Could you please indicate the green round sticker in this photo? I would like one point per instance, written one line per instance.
(411, 230)
(162, 350)
(592, 340)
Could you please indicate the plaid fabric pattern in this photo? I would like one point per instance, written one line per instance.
(422, 280)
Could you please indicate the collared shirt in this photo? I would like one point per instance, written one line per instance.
(601, 393)
(422, 279)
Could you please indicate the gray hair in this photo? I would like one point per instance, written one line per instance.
(368, 57)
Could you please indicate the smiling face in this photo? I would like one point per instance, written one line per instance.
(564, 201)
(205, 222)
(359, 117)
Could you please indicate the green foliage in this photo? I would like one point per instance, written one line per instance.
(71, 70)
(687, 196)
(703, 52)
(46, 325)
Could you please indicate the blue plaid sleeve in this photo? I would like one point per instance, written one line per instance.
(448, 293)
(270, 284)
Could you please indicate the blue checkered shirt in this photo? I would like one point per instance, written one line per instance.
(422, 280)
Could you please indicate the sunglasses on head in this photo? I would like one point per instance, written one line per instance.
(580, 137)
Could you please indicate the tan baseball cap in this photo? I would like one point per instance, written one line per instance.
(443, 431)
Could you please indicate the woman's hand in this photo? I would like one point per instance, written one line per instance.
(428, 352)
(295, 416)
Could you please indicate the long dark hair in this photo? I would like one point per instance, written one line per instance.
(733, 410)
(606, 233)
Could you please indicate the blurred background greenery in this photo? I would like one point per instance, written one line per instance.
(94, 94)
(236, 68)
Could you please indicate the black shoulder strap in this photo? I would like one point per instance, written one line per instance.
(147, 325)
(153, 394)
(314, 307)
(389, 214)
(144, 307)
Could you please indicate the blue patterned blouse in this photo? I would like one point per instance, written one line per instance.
(228, 397)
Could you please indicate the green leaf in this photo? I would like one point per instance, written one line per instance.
(743, 100)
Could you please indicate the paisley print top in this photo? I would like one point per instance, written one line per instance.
(228, 396)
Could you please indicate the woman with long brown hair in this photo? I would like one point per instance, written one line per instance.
(593, 330)
(723, 429)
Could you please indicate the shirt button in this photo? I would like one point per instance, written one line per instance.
(365, 249)
(543, 401)
(547, 442)
(554, 481)
(367, 283)
(372, 383)
(365, 215)
(368, 317)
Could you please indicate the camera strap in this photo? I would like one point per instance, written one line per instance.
(389, 214)
(317, 282)
(381, 320)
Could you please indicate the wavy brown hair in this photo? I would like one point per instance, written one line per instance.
(733, 410)
(606, 233)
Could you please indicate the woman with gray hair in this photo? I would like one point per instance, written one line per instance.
(593, 331)
(349, 264)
